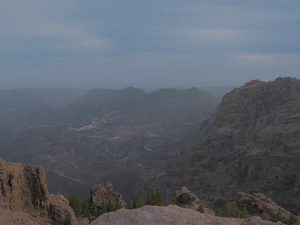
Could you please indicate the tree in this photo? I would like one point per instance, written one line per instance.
(118, 205)
(129, 205)
(94, 211)
(134, 204)
(152, 197)
(201, 208)
(85, 209)
(75, 204)
(103, 207)
(231, 210)
(142, 199)
(158, 198)
(244, 213)
(110, 206)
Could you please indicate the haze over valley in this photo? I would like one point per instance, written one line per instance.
(167, 112)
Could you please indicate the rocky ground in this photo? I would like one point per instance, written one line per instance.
(170, 215)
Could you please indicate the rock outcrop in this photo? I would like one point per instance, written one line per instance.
(184, 198)
(24, 197)
(258, 204)
(104, 193)
(250, 144)
(253, 141)
(170, 215)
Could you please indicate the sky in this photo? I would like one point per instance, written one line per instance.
(143, 43)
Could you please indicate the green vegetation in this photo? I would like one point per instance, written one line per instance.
(201, 208)
(141, 199)
(103, 208)
(280, 218)
(231, 210)
(75, 204)
(81, 209)
(129, 205)
(85, 210)
(154, 197)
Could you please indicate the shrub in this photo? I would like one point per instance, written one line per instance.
(231, 210)
(201, 208)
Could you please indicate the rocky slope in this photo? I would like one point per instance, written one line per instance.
(24, 197)
(250, 144)
(170, 215)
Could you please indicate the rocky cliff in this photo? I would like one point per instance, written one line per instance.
(24, 197)
(250, 144)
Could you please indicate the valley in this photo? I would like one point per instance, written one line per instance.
(106, 135)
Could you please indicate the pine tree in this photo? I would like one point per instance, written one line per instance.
(94, 211)
(152, 197)
(201, 208)
(134, 204)
(142, 199)
(110, 206)
(118, 205)
(129, 205)
(158, 198)
(75, 204)
(244, 213)
(85, 209)
(103, 207)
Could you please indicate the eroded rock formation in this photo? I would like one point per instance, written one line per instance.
(258, 204)
(184, 198)
(24, 197)
(104, 193)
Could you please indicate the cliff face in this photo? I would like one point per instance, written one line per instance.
(24, 197)
(250, 144)
(257, 117)
(256, 131)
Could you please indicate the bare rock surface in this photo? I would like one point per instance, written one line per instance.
(24, 197)
(104, 193)
(259, 204)
(170, 215)
(184, 198)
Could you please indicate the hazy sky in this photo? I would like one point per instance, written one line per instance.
(146, 43)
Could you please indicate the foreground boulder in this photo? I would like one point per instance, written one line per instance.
(24, 197)
(170, 215)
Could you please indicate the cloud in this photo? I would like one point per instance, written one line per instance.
(266, 57)
(212, 34)
(25, 24)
